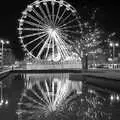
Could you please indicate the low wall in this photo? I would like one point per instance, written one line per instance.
(46, 66)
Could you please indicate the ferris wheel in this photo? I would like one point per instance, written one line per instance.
(47, 28)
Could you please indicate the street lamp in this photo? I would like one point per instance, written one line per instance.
(2, 50)
(113, 45)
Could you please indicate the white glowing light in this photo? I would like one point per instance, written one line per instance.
(111, 44)
(6, 102)
(116, 44)
(2, 101)
(1, 104)
(111, 97)
(52, 32)
(118, 97)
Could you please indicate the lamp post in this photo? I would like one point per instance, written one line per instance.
(113, 45)
(2, 50)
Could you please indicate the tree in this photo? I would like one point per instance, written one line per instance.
(88, 41)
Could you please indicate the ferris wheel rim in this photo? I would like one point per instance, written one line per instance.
(38, 2)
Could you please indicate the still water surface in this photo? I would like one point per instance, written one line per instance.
(55, 97)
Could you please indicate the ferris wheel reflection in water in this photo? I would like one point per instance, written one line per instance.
(55, 97)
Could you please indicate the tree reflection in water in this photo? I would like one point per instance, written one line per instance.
(55, 97)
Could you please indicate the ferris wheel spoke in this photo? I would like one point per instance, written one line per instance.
(39, 16)
(61, 16)
(35, 93)
(28, 105)
(31, 35)
(67, 17)
(33, 100)
(35, 39)
(48, 93)
(62, 44)
(31, 29)
(36, 107)
(48, 49)
(60, 49)
(64, 51)
(43, 47)
(44, 14)
(58, 95)
(57, 13)
(53, 51)
(35, 19)
(64, 47)
(43, 93)
(53, 91)
(37, 45)
(65, 24)
(53, 11)
(31, 23)
(48, 12)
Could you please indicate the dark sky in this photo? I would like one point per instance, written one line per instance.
(108, 16)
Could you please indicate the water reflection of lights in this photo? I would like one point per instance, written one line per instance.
(114, 98)
(3, 101)
(59, 98)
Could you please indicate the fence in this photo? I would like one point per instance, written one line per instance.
(113, 66)
(106, 66)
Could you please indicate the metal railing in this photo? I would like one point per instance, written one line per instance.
(105, 66)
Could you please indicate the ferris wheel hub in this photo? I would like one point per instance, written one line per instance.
(52, 32)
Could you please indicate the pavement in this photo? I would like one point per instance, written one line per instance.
(109, 80)
(111, 75)
(108, 74)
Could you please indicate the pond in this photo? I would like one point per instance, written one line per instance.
(53, 96)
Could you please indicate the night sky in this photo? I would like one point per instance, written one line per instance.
(108, 16)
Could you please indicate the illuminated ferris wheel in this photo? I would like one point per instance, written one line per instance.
(47, 28)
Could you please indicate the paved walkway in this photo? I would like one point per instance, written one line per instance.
(113, 75)
(109, 80)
